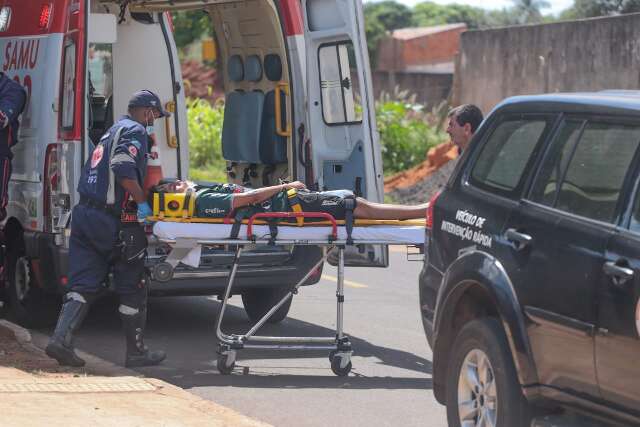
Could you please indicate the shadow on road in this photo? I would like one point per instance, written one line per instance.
(185, 327)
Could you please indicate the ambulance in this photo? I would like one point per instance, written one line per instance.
(298, 105)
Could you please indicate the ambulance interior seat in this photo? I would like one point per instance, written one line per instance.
(243, 113)
(273, 147)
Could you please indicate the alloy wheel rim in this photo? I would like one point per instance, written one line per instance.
(477, 395)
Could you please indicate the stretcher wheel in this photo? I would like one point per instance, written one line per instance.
(224, 365)
(337, 368)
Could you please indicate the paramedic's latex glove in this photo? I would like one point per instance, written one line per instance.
(144, 210)
(296, 184)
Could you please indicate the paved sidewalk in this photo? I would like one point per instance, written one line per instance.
(35, 391)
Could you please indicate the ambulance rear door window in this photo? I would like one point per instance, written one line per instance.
(341, 101)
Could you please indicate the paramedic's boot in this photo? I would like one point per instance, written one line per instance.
(60, 345)
(137, 353)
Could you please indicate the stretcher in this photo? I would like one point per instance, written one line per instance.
(187, 236)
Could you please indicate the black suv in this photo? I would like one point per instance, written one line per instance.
(529, 291)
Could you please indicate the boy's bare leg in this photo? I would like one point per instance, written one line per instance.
(370, 210)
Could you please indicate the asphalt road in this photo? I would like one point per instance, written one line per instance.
(390, 382)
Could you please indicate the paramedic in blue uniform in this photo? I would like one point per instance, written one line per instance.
(106, 233)
(13, 98)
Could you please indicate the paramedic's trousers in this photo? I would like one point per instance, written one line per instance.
(94, 248)
(5, 176)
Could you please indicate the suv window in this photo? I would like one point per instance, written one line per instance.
(506, 153)
(635, 217)
(584, 170)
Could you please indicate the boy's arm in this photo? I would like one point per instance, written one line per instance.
(259, 195)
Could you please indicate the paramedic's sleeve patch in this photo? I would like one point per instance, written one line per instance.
(129, 157)
(211, 204)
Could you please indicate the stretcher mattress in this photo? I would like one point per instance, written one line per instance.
(388, 232)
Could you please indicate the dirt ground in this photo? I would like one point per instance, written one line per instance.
(30, 359)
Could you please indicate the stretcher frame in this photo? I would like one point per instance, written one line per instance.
(229, 344)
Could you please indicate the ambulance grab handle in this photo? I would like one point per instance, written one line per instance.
(324, 215)
(172, 140)
(281, 86)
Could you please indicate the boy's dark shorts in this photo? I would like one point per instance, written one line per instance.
(331, 202)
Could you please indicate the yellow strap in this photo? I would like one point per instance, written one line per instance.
(357, 222)
(292, 194)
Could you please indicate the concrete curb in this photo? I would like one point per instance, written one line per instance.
(36, 342)
(222, 416)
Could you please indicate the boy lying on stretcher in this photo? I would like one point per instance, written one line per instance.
(220, 200)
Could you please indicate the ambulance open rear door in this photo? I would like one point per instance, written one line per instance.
(345, 142)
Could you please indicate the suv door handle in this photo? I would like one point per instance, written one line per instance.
(619, 274)
(519, 240)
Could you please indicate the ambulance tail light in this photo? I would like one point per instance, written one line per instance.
(5, 18)
(45, 16)
(432, 204)
(51, 188)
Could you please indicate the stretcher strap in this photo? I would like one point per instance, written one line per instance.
(294, 203)
(161, 205)
(237, 222)
(349, 206)
(274, 216)
(273, 231)
(188, 197)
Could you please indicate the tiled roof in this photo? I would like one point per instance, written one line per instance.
(415, 32)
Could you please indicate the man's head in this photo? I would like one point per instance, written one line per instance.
(463, 123)
(145, 107)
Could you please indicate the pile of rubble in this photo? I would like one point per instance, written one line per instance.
(418, 184)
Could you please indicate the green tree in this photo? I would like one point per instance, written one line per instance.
(428, 13)
(593, 8)
(189, 26)
(380, 18)
(528, 11)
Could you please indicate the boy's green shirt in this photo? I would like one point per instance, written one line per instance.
(215, 201)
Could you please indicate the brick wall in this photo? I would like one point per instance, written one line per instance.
(398, 54)
(436, 48)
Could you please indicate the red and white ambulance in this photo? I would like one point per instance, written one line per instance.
(298, 106)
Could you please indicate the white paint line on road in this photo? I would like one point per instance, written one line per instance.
(349, 283)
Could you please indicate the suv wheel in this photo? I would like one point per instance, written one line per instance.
(257, 302)
(28, 304)
(482, 384)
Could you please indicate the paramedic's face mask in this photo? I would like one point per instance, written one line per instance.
(149, 116)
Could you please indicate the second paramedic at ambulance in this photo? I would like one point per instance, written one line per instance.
(13, 98)
(106, 233)
(464, 120)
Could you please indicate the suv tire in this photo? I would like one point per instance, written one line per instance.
(29, 305)
(481, 352)
(257, 302)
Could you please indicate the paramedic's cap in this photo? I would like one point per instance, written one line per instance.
(146, 98)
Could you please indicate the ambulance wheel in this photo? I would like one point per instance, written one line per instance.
(29, 305)
(223, 365)
(257, 302)
(337, 368)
